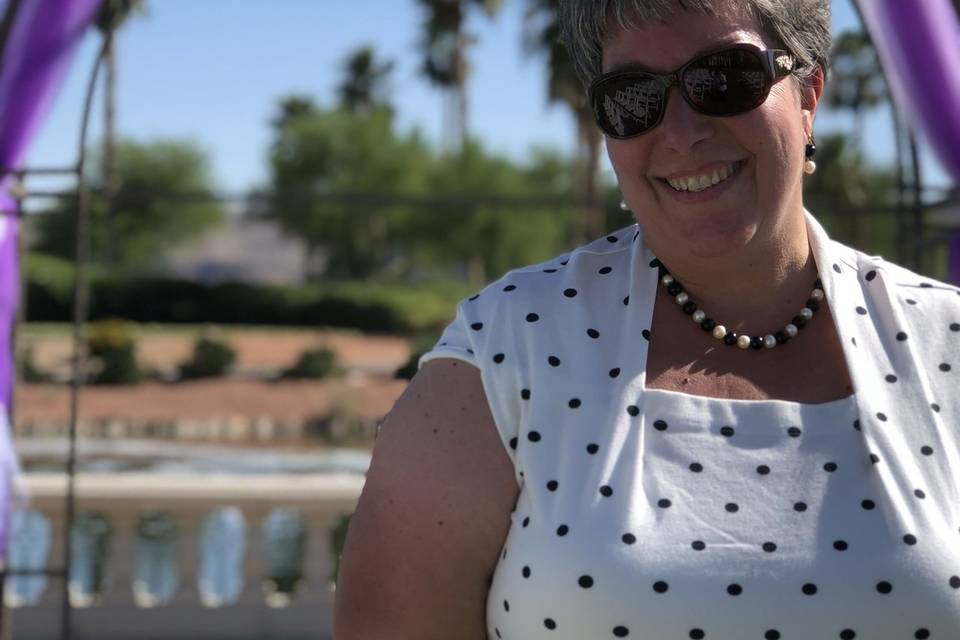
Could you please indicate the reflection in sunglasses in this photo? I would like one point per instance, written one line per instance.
(639, 103)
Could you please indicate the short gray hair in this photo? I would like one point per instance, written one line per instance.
(800, 26)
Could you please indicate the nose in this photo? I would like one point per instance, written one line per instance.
(681, 127)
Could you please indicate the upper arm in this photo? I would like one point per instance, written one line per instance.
(432, 517)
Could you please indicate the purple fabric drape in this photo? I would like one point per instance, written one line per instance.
(34, 60)
(918, 42)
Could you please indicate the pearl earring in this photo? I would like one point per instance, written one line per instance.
(623, 205)
(809, 166)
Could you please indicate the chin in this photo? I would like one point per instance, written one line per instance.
(707, 243)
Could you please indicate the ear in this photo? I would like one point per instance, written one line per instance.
(810, 91)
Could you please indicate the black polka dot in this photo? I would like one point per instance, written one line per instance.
(919, 493)
(532, 317)
(921, 634)
(867, 504)
(809, 588)
(552, 485)
(955, 582)
(771, 634)
(698, 545)
(549, 624)
(882, 417)
(563, 530)
(794, 432)
(911, 301)
(660, 425)
(506, 606)
(769, 547)
(526, 522)
(525, 394)
(612, 238)
(731, 507)
(593, 333)
(613, 373)
(871, 275)
(890, 378)
(726, 431)
(606, 491)
(901, 336)
(633, 410)
(663, 503)
(861, 311)
(925, 285)
(944, 366)
(856, 425)
(498, 632)
(910, 539)
(554, 361)
(848, 634)
(830, 467)
(874, 458)
(474, 296)
(646, 334)
(592, 448)
(570, 293)
(605, 270)
(660, 586)
(800, 506)
(498, 358)
(884, 587)
(626, 301)
(955, 326)
(926, 450)
(476, 326)
(510, 287)
(697, 634)
(836, 268)
(513, 443)
(549, 270)
(840, 545)
(574, 403)
(621, 632)
(533, 436)
(853, 341)
(585, 581)
(935, 407)
(763, 469)
(628, 538)
(734, 589)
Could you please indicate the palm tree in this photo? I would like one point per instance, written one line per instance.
(364, 84)
(112, 14)
(542, 37)
(858, 85)
(444, 47)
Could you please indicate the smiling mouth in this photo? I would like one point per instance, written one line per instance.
(695, 184)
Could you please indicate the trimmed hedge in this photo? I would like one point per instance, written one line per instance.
(370, 307)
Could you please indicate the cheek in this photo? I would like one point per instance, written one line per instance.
(629, 159)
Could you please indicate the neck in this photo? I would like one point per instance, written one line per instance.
(756, 291)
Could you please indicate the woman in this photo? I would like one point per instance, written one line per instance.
(576, 458)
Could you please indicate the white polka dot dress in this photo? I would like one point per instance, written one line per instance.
(658, 515)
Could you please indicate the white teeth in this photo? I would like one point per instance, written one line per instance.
(699, 183)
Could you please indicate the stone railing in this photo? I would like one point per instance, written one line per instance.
(321, 501)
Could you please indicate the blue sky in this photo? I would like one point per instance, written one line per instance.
(213, 71)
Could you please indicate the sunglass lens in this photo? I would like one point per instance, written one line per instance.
(628, 105)
(726, 83)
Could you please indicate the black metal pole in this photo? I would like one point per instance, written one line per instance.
(80, 303)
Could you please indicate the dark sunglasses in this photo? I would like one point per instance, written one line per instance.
(723, 83)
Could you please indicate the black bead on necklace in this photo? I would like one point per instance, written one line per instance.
(731, 338)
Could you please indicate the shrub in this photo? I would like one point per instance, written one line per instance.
(113, 344)
(419, 346)
(313, 364)
(212, 357)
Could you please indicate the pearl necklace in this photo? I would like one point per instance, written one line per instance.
(730, 338)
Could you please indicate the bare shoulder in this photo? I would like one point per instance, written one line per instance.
(432, 517)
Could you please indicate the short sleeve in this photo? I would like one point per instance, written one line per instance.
(481, 335)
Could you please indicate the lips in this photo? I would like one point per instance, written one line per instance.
(701, 181)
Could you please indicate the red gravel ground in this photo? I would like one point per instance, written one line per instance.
(368, 390)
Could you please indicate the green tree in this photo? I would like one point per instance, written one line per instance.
(364, 83)
(541, 35)
(444, 48)
(163, 199)
(328, 169)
